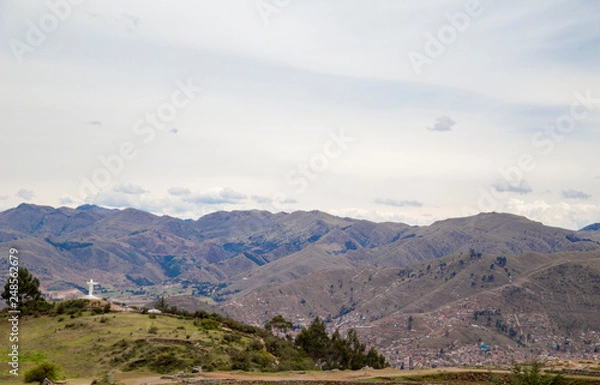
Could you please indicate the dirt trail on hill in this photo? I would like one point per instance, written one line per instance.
(299, 377)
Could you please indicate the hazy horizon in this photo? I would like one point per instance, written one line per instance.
(285, 212)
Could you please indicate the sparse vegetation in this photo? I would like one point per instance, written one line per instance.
(528, 374)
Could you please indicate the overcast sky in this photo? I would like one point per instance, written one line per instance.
(409, 111)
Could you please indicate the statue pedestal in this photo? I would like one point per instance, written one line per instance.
(91, 297)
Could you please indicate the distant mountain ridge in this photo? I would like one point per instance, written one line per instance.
(244, 250)
(592, 227)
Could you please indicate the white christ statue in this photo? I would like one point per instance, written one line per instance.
(91, 284)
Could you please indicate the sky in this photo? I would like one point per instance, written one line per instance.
(386, 110)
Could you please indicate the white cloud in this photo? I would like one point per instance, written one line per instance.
(443, 123)
(130, 189)
(575, 194)
(567, 215)
(66, 200)
(179, 191)
(396, 203)
(216, 197)
(25, 194)
(520, 188)
(272, 201)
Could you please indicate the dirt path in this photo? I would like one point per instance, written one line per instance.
(271, 377)
(314, 376)
(348, 376)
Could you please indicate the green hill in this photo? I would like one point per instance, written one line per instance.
(87, 345)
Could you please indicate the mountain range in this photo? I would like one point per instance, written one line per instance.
(519, 275)
(247, 249)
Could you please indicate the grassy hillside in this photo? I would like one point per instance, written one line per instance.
(88, 345)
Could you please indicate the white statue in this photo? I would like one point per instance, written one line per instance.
(90, 295)
(91, 284)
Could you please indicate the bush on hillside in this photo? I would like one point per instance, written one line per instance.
(42, 371)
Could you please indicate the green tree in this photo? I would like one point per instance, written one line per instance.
(356, 350)
(279, 323)
(23, 293)
(161, 304)
(337, 352)
(314, 340)
(337, 355)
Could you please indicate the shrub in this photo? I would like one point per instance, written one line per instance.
(531, 374)
(153, 330)
(255, 345)
(207, 324)
(167, 362)
(240, 361)
(96, 310)
(229, 338)
(43, 370)
(71, 306)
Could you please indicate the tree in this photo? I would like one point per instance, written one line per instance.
(279, 324)
(337, 355)
(314, 340)
(161, 304)
(356, 350)
(375, 360)
(22, 292)
(337, 352)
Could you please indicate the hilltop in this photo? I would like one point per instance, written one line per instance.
(87, 344)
